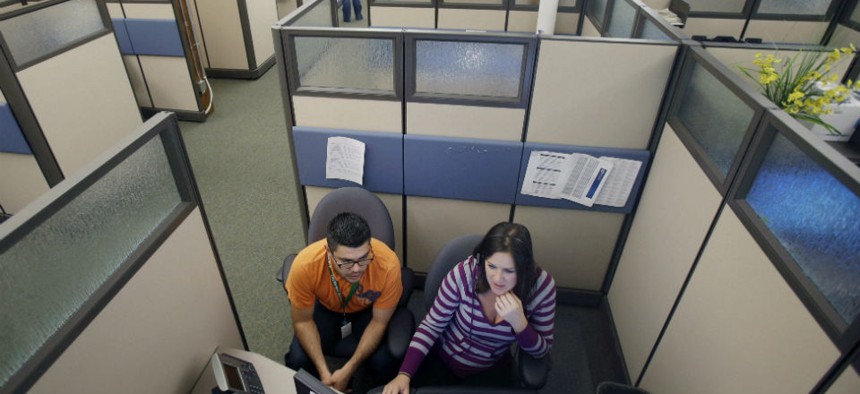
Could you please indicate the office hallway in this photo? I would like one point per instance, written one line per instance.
(240, 158)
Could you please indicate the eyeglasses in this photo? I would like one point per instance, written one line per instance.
(348, 264)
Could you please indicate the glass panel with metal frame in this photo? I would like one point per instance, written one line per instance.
(720, 6)
(794, 7)
(714, 115)
(650, 31)
(471, 70)
(345, 64)
(621, 19)
(477, 3)
(77, 242)
(596, 10)
(42, 31)
(318, 14)
(805, 198)
(855, 15)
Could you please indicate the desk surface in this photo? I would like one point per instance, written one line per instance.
(276, 378)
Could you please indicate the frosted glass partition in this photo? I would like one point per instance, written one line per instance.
(596, 9)
(318, 15)
(48, 30)
(794, 7)
(321, 63)
(816, 219)
(721, 6)
(855, 15)
(470, 69)
(650, 31)
(65, 255)
(473, 2)
(621, 19)
(713, 115)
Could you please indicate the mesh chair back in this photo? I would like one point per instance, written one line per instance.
(455, 251)
(358, 201)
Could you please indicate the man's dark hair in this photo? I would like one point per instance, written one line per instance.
(347, 229)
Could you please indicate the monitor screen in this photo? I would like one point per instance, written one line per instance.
(308, 384)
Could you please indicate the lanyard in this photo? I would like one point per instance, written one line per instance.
(344, 301)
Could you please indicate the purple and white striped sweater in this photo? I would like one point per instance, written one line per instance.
(469, 342)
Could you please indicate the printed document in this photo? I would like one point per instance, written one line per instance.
(620, 182)
(580, 178)
(345, 159)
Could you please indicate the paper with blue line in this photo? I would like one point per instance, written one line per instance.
(580, 178)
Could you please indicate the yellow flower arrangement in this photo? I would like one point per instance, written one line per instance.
(796, 84)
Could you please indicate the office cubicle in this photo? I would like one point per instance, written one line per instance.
(627, 19)
(65, 86)
(20, 175)
(111, 280)
(161, 53)
(235, 36)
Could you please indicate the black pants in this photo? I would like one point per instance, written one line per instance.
(382, 366)
(434, 372)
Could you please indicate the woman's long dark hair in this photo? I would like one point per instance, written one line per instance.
(510, 238)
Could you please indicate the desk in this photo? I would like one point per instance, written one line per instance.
(276, 378)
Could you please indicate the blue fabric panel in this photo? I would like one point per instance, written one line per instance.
(460, 168)
(383, 158)
(632, 154)
(11, 138)
(158, 37)
(122, 37)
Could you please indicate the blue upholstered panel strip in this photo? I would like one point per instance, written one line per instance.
(383, 158)
(11, 138)
(122, 37)
(632, 154)
(460, 168)
(158, 37)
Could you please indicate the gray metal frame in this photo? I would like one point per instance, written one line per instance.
(528, 41)
(601, 27)
(756, 101)
(646, 13)
(162, 125)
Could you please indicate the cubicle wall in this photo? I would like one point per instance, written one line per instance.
(742, 244)
(161, 54)
(626, 19)
(491, 15)
(847, 31)
(111, 280)
(64, 81)
(20, 176)
(448, 141)
(236, 38)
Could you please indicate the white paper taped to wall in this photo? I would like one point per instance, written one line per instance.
(580, 178)
(345, 159)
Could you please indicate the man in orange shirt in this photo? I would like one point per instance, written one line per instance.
(347, 284)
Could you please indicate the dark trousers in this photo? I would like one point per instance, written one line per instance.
(434, 372)
(381, 365)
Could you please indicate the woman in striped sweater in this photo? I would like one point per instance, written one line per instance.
(492, 299)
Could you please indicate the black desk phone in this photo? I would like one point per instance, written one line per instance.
(235, 375)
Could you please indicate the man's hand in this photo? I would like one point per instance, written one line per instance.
(338, 379)
(398, 385)
(510, 309)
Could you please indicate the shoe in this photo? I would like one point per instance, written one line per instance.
(359, 17)
(346, 20)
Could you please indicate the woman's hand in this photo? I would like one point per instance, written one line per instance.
(398, 385)
(510, 309)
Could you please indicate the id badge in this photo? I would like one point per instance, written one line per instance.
(345, 330)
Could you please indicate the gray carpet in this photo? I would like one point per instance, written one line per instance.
(241, 163)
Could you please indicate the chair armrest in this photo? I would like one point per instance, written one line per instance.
(400, 330)
(281, 276)
(533, 371)
(407, 278)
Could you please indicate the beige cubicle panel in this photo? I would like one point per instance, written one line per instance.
(737, 56)
(471, 19)
(349, 114)
(158, 332)
(465, 121)
(169, 82)
(394, 203)
(413, 17)
(739, 327)
(844, 36)
(575, 246)
(800, 32)
(261, 16)
(677, 207)
(22, 181)
(578, 100)
(138, 83)
(432, 222)
(526, 22)
(221, 27)
(847, 383)
(712, 27)
(95, 107)
(588, 29)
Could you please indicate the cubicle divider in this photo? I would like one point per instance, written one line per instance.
(65, 84)
(743, 215)
(627, 19)
(20, 175)
(111, 279)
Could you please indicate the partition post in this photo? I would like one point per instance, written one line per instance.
(547, 11)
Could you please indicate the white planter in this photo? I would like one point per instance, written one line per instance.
(844, 118)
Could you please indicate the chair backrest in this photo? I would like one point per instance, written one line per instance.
(455, 251)
(358, 201)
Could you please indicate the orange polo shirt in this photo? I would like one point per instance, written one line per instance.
(309, 280)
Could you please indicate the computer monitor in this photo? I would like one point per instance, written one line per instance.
(308, 384)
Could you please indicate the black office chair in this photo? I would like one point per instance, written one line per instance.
(373, 210)
(531, 372)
